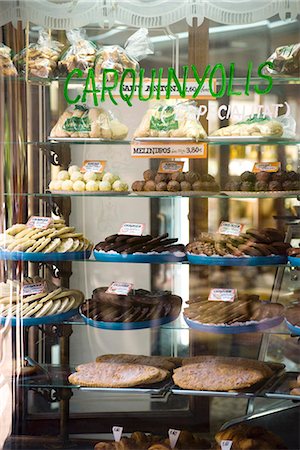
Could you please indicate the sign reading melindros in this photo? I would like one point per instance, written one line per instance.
(115, 86)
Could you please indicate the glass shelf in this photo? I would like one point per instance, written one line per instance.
(239, 195)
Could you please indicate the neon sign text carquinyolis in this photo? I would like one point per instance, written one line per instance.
(114, 85)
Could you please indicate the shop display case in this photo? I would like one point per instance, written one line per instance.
(135, 239)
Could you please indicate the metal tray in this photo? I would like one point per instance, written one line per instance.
(257, 390)
(281, 388)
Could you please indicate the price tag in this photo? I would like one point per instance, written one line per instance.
(32, 289)
(119, 288)
(226, 445)
(266, 167)
(170, 167)
(132, 229)
(39, 222)
(222, 295)
(160, 149)
(173, 436)
(117, 432)
(230, 228)
(95, 166)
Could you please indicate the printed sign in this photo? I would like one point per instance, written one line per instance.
(226, 445)
(168, 149)
(173, 436)
(170, 166)
(132, 229)
(230, 228)
(39, 222)
(222, 295)
(32, 289)
(119, 288)
(117, 432)
(266, 167)
(93, 166)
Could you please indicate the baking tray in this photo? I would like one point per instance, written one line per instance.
(281, 387)
(83, 140)
(294, 261)
(252, 326)
(294, 329)
(33, 321)
(157, 388)
(88, 193)
(257, 390)
(40, 256)
(154, 258)
(236, 261)
(118, 326)
(261, 194)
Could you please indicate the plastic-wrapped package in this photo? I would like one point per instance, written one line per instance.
(79, 121)
(7, 68)
(284, 126)
(81, 53)
(286, 60)
(171, 119)
(137, 47)
(42, 57)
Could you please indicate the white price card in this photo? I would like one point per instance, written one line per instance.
(161, 149)
(230, 228)
(226, 445)
(93, 166)
(173, 436)
(170, 166)
(32, 289)
(222, 295)
(119, 288)
(39, 222)
(117, 432)
(132, 229)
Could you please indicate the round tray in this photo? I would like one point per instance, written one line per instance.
(89, 193)
(235, 329)
(155, 258)
(40, 256)
(294, 261)
(30, 321)
(293, 328)
(118, 326)
(236, 261)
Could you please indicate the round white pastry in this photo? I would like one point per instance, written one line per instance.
(110, 177)
(63, 175)
(57, 185)
(75, 176)
(104, 186)
(90, 176)
(92, 186)
(79, 186)
(72, 169)
(67, 185)
(119, 186)
(51, 185)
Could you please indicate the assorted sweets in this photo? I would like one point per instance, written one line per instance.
(7, 68)
(80, 121)
(254, 126)
(80, 54)
(171, 119)
(254, 242)
(139, 305)
(38, 299)
(127, 244)
(243, 310)
(265, 181)
(56, 238)
(40, 58)
(74, 180)
(286, 61)
(175, 182)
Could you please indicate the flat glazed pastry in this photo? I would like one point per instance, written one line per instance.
(161, 362)
(108, 375)
(213, 373)
(249, 438)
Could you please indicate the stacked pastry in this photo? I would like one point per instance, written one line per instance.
(123, 371)
(264, 242)
(138, 306)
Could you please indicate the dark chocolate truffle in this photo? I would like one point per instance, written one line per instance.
(287, 185)
(233, 185)
(149, 175)
(292, 176)
(247, 186)
(173, 186)
(248, 176)
(275, 186)
(138, 186)
(160, 177)
(162, 186)
(279, 176)
(185, 186)
(197, 186)
(178, 176)
(191, 176)
(263, 176)
(261, 186)
(149, 186)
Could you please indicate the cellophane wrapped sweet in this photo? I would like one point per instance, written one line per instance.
(42, 57)
(286, 60)
(80, 54)
(80, 121)
(7, 68)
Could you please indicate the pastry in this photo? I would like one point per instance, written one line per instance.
(161, 362)
(265, 181)
(254, 126)
(249, 437)
(80, 55)
(212, 373)
(7, 68)
(286, 60)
